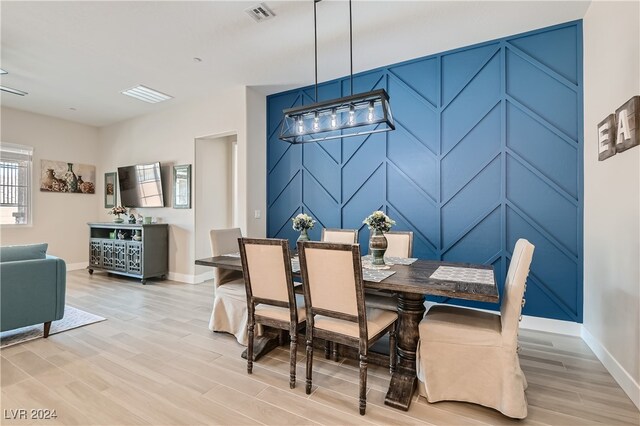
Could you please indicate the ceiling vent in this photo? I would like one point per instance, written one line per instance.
(260, 12)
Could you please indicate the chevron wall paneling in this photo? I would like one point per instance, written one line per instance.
(488, 149)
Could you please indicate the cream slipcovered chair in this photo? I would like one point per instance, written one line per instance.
(334, 300)
(469, 355)
(230, 303)
(341, 236)
(271, 301)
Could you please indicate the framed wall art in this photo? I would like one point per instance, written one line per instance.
(110, 190)
(60, 176)
(182, 187)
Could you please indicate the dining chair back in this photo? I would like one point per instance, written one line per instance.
(341, 236)
(229, 313)
(335, 306)
(271, 300)
(514, 287)
(224, 241)
(399, 243)
(333, 277)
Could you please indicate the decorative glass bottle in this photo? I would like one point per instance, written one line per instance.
(377, 246)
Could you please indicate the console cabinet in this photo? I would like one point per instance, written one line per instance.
(142, 251)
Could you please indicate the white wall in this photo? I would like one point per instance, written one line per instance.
(256, 161)
(168, 136)
(59, 219)
(612, 195)
(213, 198)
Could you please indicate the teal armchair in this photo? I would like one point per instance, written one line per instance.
(32, 287)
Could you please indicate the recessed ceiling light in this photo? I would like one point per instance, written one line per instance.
(146, 94)
(14, 91)
(3, 71)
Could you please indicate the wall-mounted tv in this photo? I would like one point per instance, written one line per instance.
(141, 185)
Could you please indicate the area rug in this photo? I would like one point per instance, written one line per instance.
(73, 318)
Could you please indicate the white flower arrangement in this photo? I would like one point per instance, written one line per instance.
(379, 221)
(118, 210)
(303, 222)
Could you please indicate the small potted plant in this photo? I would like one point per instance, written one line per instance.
(302, 223)
(378, 224)
(117, 211)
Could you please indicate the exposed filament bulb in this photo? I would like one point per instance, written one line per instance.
(370, 115)
(300, 125)
(352, 116)
(334, 120)
(316, 122)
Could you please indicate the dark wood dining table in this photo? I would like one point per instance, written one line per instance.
(411, 283)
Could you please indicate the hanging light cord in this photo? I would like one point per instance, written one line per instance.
(315, 38)
(351, 45)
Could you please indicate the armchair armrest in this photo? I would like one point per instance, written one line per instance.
(32, 292)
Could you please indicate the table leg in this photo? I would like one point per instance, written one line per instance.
(404, 380)
(264, 344)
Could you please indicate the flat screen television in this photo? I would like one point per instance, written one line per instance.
(141, 185)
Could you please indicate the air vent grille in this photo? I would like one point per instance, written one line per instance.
(260, 12)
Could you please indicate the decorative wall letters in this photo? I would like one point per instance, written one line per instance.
(620, 131)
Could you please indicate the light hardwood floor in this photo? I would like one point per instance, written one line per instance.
(155, 362)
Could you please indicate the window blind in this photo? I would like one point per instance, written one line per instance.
(15, 183)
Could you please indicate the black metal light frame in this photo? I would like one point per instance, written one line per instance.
(353, 115)
(340, 108)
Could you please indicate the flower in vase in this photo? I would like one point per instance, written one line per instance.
(379, 221)
(303, 222)
(118, 210)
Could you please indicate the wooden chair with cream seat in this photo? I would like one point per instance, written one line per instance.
(470, 355)
(340, 236)
(271, 301)
(399, 244)
(335, 307)
(230, 304)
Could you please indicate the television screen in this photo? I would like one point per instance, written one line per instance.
(141, 185)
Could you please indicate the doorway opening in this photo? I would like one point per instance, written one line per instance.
(215, 192)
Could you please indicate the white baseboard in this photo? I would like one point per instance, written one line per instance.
(617, 371)
(568, 328)
(206, 276)
(77, 266)
(183, 278)
(190, 278)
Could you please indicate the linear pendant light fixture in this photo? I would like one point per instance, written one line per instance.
(353, 115)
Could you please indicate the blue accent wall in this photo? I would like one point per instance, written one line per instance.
(487, 149)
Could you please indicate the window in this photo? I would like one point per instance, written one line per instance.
(15, 184)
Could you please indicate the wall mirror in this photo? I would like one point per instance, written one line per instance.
(182, 187)
(110, 190)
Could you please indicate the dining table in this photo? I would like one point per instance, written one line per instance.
(411, 282)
